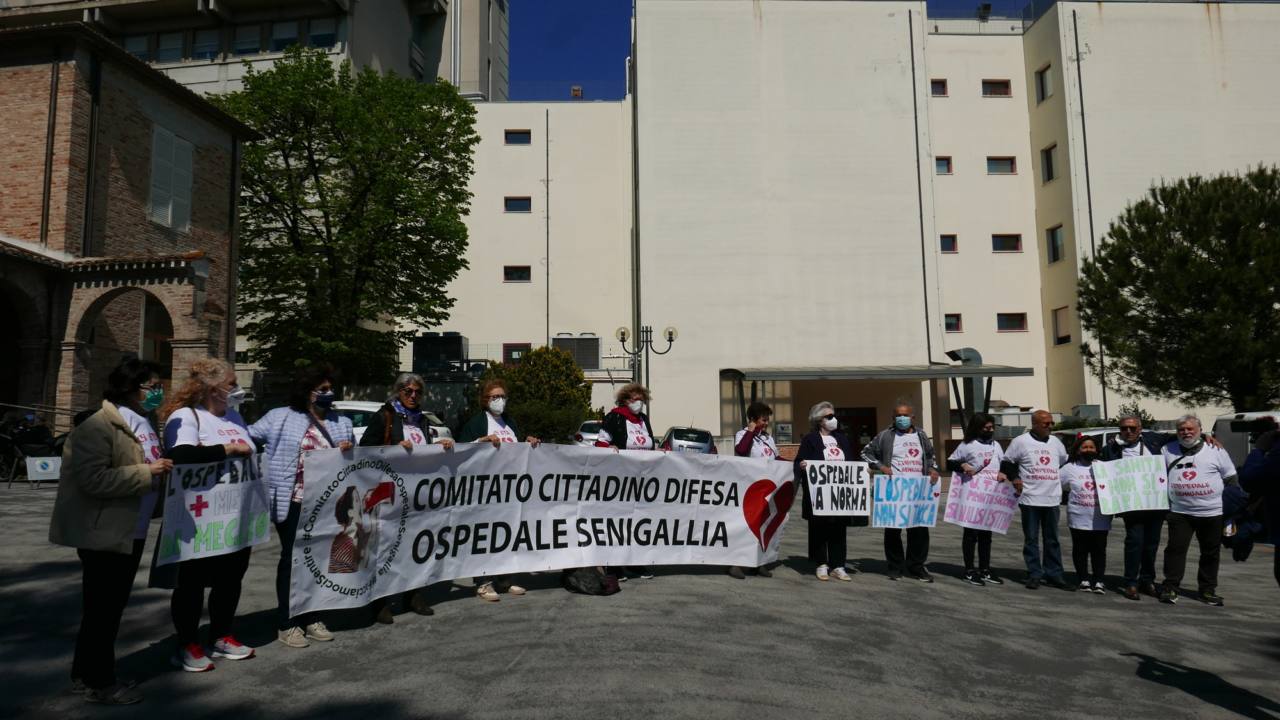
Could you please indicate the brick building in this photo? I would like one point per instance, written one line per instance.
(118, 195)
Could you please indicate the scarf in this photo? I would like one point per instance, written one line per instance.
(413, 416)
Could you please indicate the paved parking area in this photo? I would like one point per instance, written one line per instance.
(691, 643)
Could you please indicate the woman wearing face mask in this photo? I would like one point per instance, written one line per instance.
(493, 425)
(828, 539)
(755, 441)
(287, 433)
(626, 427)
(111, 470)
(202, 425)
(978, 456)
(1089, 527)
(401, 422)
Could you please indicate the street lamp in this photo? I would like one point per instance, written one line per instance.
(644, 344)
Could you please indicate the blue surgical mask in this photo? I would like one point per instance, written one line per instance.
(324, 400)
(902, 422)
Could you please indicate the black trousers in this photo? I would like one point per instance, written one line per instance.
(287, 531)
(981, 541)
(917, 553)
(828, 541)
(222, 575)
(1089, 547)
(1208, 531)
(107, 580)
(1142, 530)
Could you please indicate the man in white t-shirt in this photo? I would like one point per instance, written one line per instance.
(1197, 474)
(1032, 462)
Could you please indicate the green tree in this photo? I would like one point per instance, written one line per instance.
(351, 211)
(1147, 419)
(549, 395)
(1183, 297)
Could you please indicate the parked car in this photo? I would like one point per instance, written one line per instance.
(1239, 431)
(359, 412)
(688, 439)
(1100, 435)
(587, 433)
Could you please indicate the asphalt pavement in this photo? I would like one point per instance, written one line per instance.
(691, 643)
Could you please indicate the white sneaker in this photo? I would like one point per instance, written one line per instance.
(487, 593)
(840, 574)
(516, 590)
(822, 573)
(191, 658)
(318, 632)
(293, 637)
(1085, 586)
(230, 648)
(1098, 589)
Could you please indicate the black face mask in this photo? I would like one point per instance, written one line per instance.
(986, 436)
(1087, 458)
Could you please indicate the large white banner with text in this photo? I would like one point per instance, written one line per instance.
(377, 521)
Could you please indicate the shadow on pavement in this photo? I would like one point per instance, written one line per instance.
(1206, 686)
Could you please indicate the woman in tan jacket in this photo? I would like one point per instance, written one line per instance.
(105, 477)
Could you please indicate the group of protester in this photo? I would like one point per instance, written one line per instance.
(115, 465)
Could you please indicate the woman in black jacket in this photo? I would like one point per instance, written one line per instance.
(828, 544)
(627, 427)
(401, 422)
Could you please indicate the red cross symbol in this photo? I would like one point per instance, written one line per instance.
(199, 505)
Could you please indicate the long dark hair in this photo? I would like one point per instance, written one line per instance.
(976, 423)
(306, 381)
(1075, 447)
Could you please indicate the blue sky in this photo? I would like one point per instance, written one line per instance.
(556, 44)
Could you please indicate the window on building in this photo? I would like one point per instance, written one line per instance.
(322, 32)
(248, 40)
(1044, 84)
(1061, 329)
(513, 353)
(242, 357)
(1011, 322)
(518, 137)
(517, 273)
(949, 243)
(283, 34)
(938, 87)
(171, 158)
(169, 47)
(997, 88)
(206, 45)
(943, 164)
(1053, 241)
(1048, 161)
(1002, 166)
(138, 46)
(1006, 243)
(953, 322)
(585, 349)
(517, 204)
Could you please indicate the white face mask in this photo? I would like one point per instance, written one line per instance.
(1188, 443)
(830, 424)
(235, 397)
(635, 406)
(497, 405)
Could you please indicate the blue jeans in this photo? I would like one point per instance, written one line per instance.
(1041, 523)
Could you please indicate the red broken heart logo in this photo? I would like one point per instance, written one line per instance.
(1044, 459)
(913, 452)
(1102, 486)
(765, 507)
(1188, 474)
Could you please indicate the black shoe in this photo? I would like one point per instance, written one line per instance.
(923, 576)
(418, 604)
(1168, 595)
(1209, 598)
(895, 574)
(1131, 593)
(763, 571)
(990, 579)
(384, 615)
(971, 577)
(1149, 588)
(1033, 584)
(736, 573)
(646, 573)
(1058, 582)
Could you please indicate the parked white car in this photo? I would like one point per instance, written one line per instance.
(587, 433)
(359, 412)
(1239, 431)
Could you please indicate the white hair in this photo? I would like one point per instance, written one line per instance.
(404, 380)
(817, 411)
(1189, 417)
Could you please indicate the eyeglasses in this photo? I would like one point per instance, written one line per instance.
(410, 391)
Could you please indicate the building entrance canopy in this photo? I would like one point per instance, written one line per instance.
(879, 372)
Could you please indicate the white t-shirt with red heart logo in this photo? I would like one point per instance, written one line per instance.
(1038, 462)
(1195, 481)
(500, 430)
(831, 451)
(416, 435)
(150, 441)
(908, 455)
(762, 445)
(1083, 512)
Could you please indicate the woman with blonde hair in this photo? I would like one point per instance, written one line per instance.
(202, 425)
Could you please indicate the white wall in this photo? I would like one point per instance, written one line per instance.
(778, 191)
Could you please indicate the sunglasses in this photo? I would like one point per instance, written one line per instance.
(828, 417)
(410, 391)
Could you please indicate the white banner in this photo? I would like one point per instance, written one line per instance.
(212, 510)
(1132, 483)
(839, 488)
(377, 521)
(981, 501)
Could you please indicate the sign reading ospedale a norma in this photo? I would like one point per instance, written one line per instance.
(378, 521)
